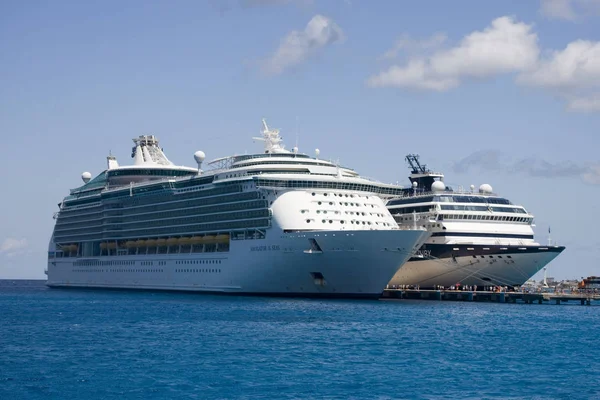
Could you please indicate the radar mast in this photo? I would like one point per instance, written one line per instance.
(273, 142)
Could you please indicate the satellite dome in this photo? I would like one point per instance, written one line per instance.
(485, 188)
(199, 156)
(415, 184)
(438, 186)
(472, 187)
(86, 176)
(317, 152)
(295, 149)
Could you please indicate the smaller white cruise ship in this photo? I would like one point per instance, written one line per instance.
(477, 237)
(276, 223)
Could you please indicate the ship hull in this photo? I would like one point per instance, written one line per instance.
(346, 264)
(482, 265)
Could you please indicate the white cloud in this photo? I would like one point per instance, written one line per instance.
(415, 75)
(410, 46)
(573, 73)
(505, 46)
(10, 245)
(297, 46)
(584, 104)
(261, 3)
(558, 9)
(578, 65)
(494, 160)
(569, 9)
(592, 175)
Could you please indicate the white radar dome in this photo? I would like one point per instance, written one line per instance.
(86, 176)
(199, 156)
(438, 186)
(317, 152)
(485, 188)
(295, 149)
(472, 187)
(415, 184)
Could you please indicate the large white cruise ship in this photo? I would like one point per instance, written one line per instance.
(478, 238)
(274, 223)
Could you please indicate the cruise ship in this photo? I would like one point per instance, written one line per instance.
(275, 223)
(477, 238)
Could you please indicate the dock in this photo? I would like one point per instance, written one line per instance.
(583, 298)
(489, 297)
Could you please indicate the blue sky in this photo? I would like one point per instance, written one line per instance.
(504, 92)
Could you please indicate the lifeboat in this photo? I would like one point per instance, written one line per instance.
(68, 247)
(140, 243)
(102, 245)
(111, 245)
(161, 242)
(130, 244)
(151, 243)
(222, 238)
(184, 241)
(196, 240)
(172, 242)
(209, 239)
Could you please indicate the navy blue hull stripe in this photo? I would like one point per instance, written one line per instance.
(429, 251)
(474, 234)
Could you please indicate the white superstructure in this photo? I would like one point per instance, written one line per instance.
(478, 238)
(277, 223)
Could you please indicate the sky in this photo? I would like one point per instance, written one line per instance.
(499, 92)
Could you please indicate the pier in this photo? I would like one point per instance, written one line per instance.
(583, 298)
(489, 296)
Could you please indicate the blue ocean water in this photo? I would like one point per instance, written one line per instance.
(61, 344)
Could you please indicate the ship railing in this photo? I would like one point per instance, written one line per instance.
(410, 193)
(411, 227)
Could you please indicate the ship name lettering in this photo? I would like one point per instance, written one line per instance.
(274, 247)
(424, 253)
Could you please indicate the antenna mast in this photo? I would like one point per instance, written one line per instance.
(297, 133)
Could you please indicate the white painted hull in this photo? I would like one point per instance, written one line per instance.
(352, 263)
(479, 270)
